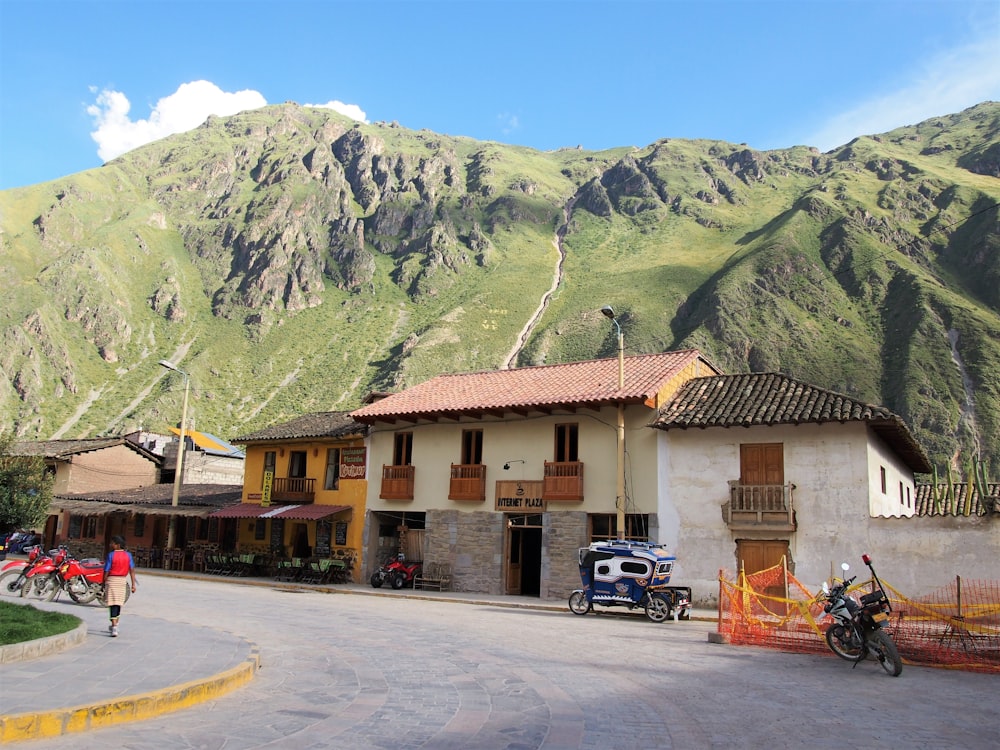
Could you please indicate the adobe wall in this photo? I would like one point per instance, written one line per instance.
(114, 468)
(918, 555)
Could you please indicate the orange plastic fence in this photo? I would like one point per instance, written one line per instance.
(957, 626)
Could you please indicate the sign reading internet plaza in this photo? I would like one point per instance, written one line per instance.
(513, 497)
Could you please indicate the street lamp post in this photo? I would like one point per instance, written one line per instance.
(179, 469)
(609, 312)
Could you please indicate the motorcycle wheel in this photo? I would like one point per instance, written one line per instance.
(398, 581)
(880, 644)
(843, 643)
(11, 583)
(41, 587)
(376, 580)
(80, 591)
(657, 608)
(578, 603)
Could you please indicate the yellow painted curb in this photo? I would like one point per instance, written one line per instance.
(55, 723)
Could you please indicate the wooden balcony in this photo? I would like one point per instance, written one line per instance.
(563, 480)
(468, 482)
(293, 490)
(759, 506)
(397, 482)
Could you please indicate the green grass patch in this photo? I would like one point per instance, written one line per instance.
(22, 622)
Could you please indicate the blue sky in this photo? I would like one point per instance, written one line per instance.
(82, 81)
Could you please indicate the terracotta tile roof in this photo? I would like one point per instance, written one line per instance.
(963, 500)
(771, 399)
(325, 424)
(575, 384)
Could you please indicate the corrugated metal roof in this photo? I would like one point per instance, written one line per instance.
(771, 399)
(193, 499)
(570, 385)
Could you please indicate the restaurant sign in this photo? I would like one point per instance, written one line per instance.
(519, 496)
(352, 463)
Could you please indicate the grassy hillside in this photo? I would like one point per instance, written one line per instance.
(292, 260)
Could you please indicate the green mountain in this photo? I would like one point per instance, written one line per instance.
(291, 260)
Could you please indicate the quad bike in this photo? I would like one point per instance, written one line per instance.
(397, 572)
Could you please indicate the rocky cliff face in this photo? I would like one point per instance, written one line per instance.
(297, 259)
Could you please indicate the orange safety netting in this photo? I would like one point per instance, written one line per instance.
(957, 626)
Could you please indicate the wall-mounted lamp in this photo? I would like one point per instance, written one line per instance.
(506, 465)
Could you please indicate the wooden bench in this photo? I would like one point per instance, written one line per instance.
(435, 576)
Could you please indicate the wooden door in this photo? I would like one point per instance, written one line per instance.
(762, 474)
(515, 542)
(754, 555)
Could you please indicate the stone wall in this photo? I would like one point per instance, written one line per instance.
(564, 533)
(471, 544)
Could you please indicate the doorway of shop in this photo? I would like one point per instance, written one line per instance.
(524, 554)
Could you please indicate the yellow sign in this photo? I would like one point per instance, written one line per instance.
(265, 492)
(519, 496)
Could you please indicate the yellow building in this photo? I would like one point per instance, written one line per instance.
(304, 491)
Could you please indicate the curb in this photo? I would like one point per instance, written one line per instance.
(53, 644)
(33, 726)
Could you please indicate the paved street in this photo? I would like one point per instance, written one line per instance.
(355, 671)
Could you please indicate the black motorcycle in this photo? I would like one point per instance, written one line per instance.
(858, 628)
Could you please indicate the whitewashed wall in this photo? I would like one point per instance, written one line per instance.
(835, 469)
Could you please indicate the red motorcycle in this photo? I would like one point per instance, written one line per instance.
(83, 580)
(14, 575)
(42, 578)
(397, 572)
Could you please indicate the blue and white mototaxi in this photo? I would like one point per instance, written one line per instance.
(630, 574)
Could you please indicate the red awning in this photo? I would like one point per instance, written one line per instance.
(243, 510)
(313, 512)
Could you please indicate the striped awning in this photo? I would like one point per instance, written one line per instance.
(311, 512)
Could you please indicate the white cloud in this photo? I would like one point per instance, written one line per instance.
(508, 123)
(185, 109)
(946, 84)
(350, 110)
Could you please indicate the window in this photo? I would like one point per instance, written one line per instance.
(472, 447)
(139, 527)
(567, 442)
(604, 526)
(270, 460)
(90, 527)
(297, 464)
(902, 500)
(909, 500)
(882, 472)
(402, 451)
(332, 481)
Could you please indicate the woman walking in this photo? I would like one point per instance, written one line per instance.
(118, 568)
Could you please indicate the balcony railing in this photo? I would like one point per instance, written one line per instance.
(468, 482)
(293, 490)
(563, 480)
(397, 482)
(753, 506)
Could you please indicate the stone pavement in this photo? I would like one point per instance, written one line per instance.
(385, 669)
(87, 680)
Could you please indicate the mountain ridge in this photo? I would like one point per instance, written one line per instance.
(292, 259)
